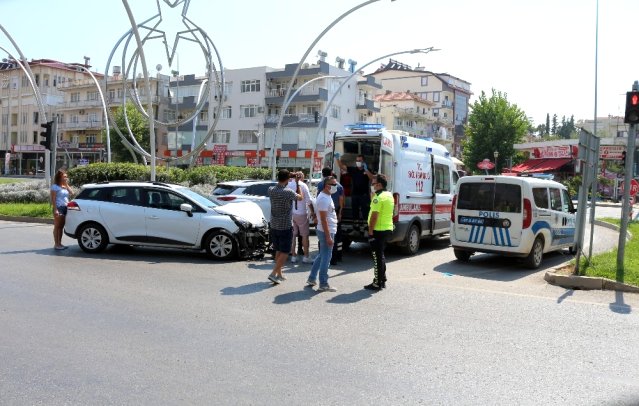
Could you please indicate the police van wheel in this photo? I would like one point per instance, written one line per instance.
(533, 260)
(412, 241)
(463, 256)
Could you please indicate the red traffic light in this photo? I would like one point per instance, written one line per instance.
(634, 99)
(632, 108)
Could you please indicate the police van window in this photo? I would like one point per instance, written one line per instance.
(568, 207)
(508, 198)
(541, 197)
(455, 180)
(555, 199)
(476, 196)
(442, 179)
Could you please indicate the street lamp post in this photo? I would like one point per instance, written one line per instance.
(176, 73)
(496, 155)
(297, 70)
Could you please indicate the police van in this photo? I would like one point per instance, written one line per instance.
(514, 216)
(420, 174)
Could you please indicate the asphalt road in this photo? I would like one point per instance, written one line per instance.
(141, 326)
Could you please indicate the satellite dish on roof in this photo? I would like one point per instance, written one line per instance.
(158, 67)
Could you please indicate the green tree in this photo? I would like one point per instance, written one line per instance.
(553, 129)
(494, 125)
(139, 127)
(547, 123)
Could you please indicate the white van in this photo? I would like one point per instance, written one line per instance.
(514, 216)
(420, 174)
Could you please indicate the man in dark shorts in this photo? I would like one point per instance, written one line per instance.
(360, 189)
(281, 232)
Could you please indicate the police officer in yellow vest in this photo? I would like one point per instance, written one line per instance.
(380, 228)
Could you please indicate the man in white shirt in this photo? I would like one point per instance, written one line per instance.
(301, 209)
(326, 228)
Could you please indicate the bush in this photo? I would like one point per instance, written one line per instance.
(25, 192)
(200, 175)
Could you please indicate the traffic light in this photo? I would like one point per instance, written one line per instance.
(316, 116)
(632, 108)
(623, 159)
(47, 134)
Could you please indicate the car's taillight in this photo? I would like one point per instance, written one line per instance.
(227, 198)
(527, 214)
(452, 210)
(396, 208)
(72, 205)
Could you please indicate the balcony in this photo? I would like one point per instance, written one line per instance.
(314, 94)
(369, 82)
(366, 104)
(81, 125)
(292, 120)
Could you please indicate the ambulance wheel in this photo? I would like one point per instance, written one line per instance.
(412, 241)
(463, 256)
(572, 250)
(533, 260)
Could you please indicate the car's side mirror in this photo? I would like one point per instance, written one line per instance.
(187, 208)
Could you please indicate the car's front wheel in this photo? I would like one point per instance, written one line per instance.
(220, 245)
(92, 238)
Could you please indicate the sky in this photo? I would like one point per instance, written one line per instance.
(542, 54)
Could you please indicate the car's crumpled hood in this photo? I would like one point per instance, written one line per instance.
(248, 211)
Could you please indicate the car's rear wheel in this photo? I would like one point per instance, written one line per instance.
(533, 260)
(412, 241)
(220, 245)
(92, 238)
(463, 256)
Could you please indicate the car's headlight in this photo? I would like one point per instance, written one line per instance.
(241, 222)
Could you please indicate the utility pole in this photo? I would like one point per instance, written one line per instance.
(632, 118)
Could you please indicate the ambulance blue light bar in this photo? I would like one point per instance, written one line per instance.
(361, 128)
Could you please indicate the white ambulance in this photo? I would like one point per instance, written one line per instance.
(420, 174)
(514, 216)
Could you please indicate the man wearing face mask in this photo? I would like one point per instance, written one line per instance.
(326, 228)
(360, 180)
(380, 228)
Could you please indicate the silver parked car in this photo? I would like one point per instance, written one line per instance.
(157, 214)
(255, 191)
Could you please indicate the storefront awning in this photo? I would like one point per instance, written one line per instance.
(541, 165)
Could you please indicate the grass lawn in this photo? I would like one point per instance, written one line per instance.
(41, 210)
(605, 265)
(10, 180)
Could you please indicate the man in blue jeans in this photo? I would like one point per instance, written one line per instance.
(326, 229)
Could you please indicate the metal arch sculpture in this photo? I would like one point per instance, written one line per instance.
(215, 77)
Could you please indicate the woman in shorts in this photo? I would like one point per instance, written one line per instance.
(60, 191)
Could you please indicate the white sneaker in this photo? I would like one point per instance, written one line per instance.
(307, 260)
(293, 259)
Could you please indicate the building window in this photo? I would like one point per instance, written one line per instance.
(436, 96)
(75, 97)
(336, 112)
(74, 119)
(93, 117)
(36, 117)
(247, 137)
(23, 137)
(250, 86)
(435, 112)
(226, 112)
(424, 80)
(221, 137)
(24, 118)
(5, 119)
(25, 82)
(111, 95)
(249, 110)
(37, 79)
(91, 139)
(93, 95)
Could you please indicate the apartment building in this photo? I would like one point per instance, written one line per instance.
(251, 104)
(20, 114)
(408, 112)
(607, 127)
(451, 96)
(82, 139)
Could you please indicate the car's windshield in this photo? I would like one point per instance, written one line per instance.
(221, 190)
(198, 198)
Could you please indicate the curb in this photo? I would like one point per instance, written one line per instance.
(588, 282)
(26, 219)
